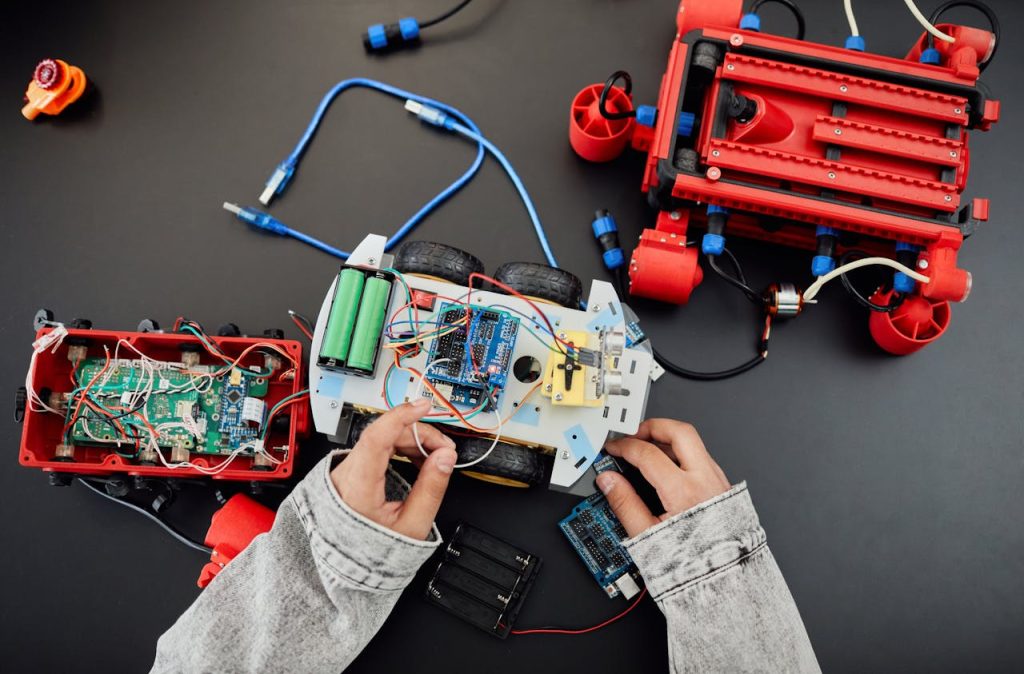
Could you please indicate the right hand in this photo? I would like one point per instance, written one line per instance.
(672, 457)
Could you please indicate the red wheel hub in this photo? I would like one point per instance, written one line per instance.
(592, 136)
(48, 74)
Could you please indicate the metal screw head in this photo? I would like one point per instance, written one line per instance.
(922, 264)
(565, 454)
(948, 198)
(839, 132)
(730, 67)
(558, 396)
(675, 215)
(843, 88)
(831, 175)
(952, 153)
(334, 404)
(595, 308)
(371, 260)
(714, 173)
(715, 153)
(957, 111)
(736, 40)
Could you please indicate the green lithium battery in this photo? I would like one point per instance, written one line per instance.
(342, 320)
(369, 324)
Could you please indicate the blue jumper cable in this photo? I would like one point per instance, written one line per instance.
(449, 118)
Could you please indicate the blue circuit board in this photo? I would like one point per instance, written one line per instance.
(478, 354)
(234, 431)
(596, 534)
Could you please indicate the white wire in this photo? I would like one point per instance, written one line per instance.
(415, 432)
(814, 288)
(848, 4)
(924, 22)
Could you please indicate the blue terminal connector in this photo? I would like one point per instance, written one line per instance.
(855, 42)
(906, 254)
(713, 242)
(606, 231)
(824, 261)
(930, 56)
(278, 181)
(271, 225)
(751, 22)
(380, 37)
(647, 115)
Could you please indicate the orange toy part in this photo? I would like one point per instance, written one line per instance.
(55, 85)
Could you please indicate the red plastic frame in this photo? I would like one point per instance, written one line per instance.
(41, 431)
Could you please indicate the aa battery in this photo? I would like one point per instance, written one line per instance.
(342, 320)
(369, 324)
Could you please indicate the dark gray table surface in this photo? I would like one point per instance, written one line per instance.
(889, 487)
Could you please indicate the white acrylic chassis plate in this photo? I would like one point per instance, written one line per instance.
(576, 434)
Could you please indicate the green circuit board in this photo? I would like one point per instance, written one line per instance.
(216, 408)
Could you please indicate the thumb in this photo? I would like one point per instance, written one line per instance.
(627, 505)
(425, 497)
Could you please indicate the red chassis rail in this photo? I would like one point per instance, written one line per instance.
(867, 149)
(42, 432)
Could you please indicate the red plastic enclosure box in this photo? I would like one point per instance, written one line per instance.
(42, 431)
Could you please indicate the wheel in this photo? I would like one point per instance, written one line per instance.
(706, 58)
(543, 282)
(358, 425)
(685, 159)
(437, 260)
(81, 324)
(229, 330)
(508, 465)
(42, 318)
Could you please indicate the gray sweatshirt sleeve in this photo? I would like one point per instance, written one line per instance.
(725, 601)
(307, 596)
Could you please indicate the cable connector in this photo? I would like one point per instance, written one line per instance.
(606, 231)
(278, 182)
(257, 219)
(429, 114)
(380, 38)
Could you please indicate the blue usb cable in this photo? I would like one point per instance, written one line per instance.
(428, 110)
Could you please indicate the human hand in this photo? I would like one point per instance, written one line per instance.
(672, 457)
(360, 478)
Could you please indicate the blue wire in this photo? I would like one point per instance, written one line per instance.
(441, 197)
(475, 135)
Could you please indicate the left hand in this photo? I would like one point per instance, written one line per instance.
(360, 478)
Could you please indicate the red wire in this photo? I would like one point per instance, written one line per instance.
(302, 328)
(545, 630)
(515, 293)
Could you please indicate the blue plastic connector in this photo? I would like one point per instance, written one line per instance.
(822, 264)
(902, 283)
(377, 36)
(855, 42)
(686, 123)
(903, 245)
(258, 219)
(930, 56)
(751, 22)
(713, 209)
(712, 244)
(410, 28)
(606, 231)
(430, 115)
(825, 231)
(646, 115)
(278, 182)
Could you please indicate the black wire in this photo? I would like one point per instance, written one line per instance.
(602, 102)
(993, 22)
(894, 303)
(680, 371)
(450, 13)
(180, 537)
(801, 24)
(738, 281)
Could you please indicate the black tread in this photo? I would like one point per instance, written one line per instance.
(509, 461)
(540, 280)
(436, 259)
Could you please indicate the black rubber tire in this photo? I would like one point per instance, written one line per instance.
(436, 259)
(706, 59)
(686, 159)
(542, 281)
(507, 461)
(358, 424)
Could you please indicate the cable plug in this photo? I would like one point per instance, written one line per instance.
(606, 231)
(429, 114)
(257, 219)
(278, 182)
(380, 38)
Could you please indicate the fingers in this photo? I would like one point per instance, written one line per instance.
(627, 505)
(424, 499)
(682, 437)
(663, 474)
(430, 437)
(368, 462)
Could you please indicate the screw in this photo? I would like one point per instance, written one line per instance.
(714, 173)
(831, 175)
(952, 153)
(675, 215)
(334, 404)
(922, 264)
(371, 260)
(561, 335)
(957, 110)
(565, 455)
(839, 132)
(843, 88)
(736, 40)
(548, 388)
(558, 396)
(730, 67)
(715, 153)
(596, 308)
(948, 198)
